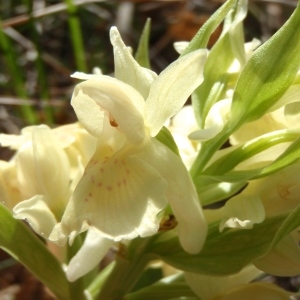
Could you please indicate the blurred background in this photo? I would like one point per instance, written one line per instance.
(42, 42)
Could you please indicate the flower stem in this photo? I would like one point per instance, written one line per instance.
(127, 270)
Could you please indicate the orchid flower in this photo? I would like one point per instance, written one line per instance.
(39, 178)
(43, 178)
(132, 176)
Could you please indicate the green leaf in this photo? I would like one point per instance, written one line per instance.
(148, 277)
(215, 192)
(96, 285)
(268, 74)
(288, 157)
(229, 46)
(21, 243)
(142, 53)
(163, 290)
(228, 252)
(201, 38)
(230, 160)
(166, 138)
(289, 224)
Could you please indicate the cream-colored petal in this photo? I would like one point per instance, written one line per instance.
(284, 259)
(119, 194)
(243, 211)
(124, 105)
(171, 89)
(90, 254)
(280, 191)
(183, 123)
(127, 69)
(43, 169)
(180, 46)
(266, 124)
(181, 194)
(11, 140)
(78, 144)
(37, 213)
(87, 111)
(290, 96)
(214, 122)
(187, 150)
(208, 287)
(84, 76)
(10, 193)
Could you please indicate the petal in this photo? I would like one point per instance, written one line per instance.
(266, 124)
(77, 143)
(243, 211)
(84, 76)
(184, 121)
(214, 122)
(11, 140)
(283, 260)
(123, 103)
(182, 124)
(87, 111)
(37, 213)
(208, 287)
(171, 89)
(290, 96)
(43, 168)
(182, 196)
(93, 250)
(10, 194)
(280, 191)
(127, 69)
(180, 46)
(119, 194)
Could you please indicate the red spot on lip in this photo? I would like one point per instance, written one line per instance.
(90, 194)
(101, 170)
(109, 187)
(99, 184)
(113, 123)
(124, 181)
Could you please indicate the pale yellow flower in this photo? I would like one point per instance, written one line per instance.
(132, 176)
